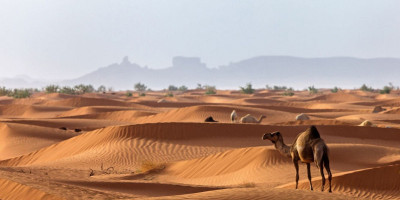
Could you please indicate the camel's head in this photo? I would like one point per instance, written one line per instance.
(274, 137)
(263, 116)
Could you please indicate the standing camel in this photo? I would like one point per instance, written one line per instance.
(233, 116)
(250, 119)
(308, 147)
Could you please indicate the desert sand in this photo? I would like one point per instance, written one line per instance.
(144, 148)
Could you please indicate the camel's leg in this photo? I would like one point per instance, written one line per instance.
(296, 165)
(309, 175)
(321, 170)
(328, 169)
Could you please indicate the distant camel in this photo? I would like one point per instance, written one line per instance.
(78, 130)
(308, 147)
(250, 119)
(233, 116)
(210, 119)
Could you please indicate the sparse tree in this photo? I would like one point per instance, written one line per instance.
(366, 88)
(279, 87)
(128, 94)
(312, 90)
(101, 89)
(140, 88)
(248, 89)
(288, 92)
(210, 90)
(172, 88)
(67, 90)
(81, 88)
(335, 89)
(4, 91)
(52, 88)
(386, 90)
(183, 88)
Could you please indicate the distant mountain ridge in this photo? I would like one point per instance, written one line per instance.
(346, 72)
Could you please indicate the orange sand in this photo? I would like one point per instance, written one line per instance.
(137, 148)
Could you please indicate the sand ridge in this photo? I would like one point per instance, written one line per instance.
(136, 147)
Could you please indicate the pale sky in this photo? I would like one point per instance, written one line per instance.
(61, 39)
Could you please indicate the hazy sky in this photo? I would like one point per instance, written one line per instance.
(59, 39)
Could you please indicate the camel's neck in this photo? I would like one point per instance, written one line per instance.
(260, 119)
(282, 148)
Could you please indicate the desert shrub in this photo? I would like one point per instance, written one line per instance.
(140, 87)
(128, 94)
(67, 90)
(247, 185)
(4, 91)
(52, 88)
(169, 94)
(20, 93)
(101, 89)
(199, 86)
(288, 92)
(366, 88)
(386, 90)
(81, 88)
(335, 89)
(248, 89)
(148, 166)
(279, 87)
(172, 88)
(210, 90)
(183, 88)
(312, 90)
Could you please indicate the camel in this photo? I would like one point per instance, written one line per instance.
(308, 147)
(210, 119)
(233, 116)
(250, 119)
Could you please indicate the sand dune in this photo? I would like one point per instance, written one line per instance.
(85, 101)
(13, 190)
(135, 147)
(19, 139)
(374, 183)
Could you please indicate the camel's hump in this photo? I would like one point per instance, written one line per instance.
(313, 132)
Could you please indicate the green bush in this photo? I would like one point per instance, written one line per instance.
(312, 90)
(288, 92)
(248, 89)
(20, 93)
(128, 94)
(67, 90)
(210, 90)
(52, 88)
(279, 87)
(335, 89)
(142, 94)
(386, 90)
(183, 88)
(172, 88)
(169, 94)
(4, 91)
(101, 89)
(82, 89)
(140, 87)
(366, 88)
